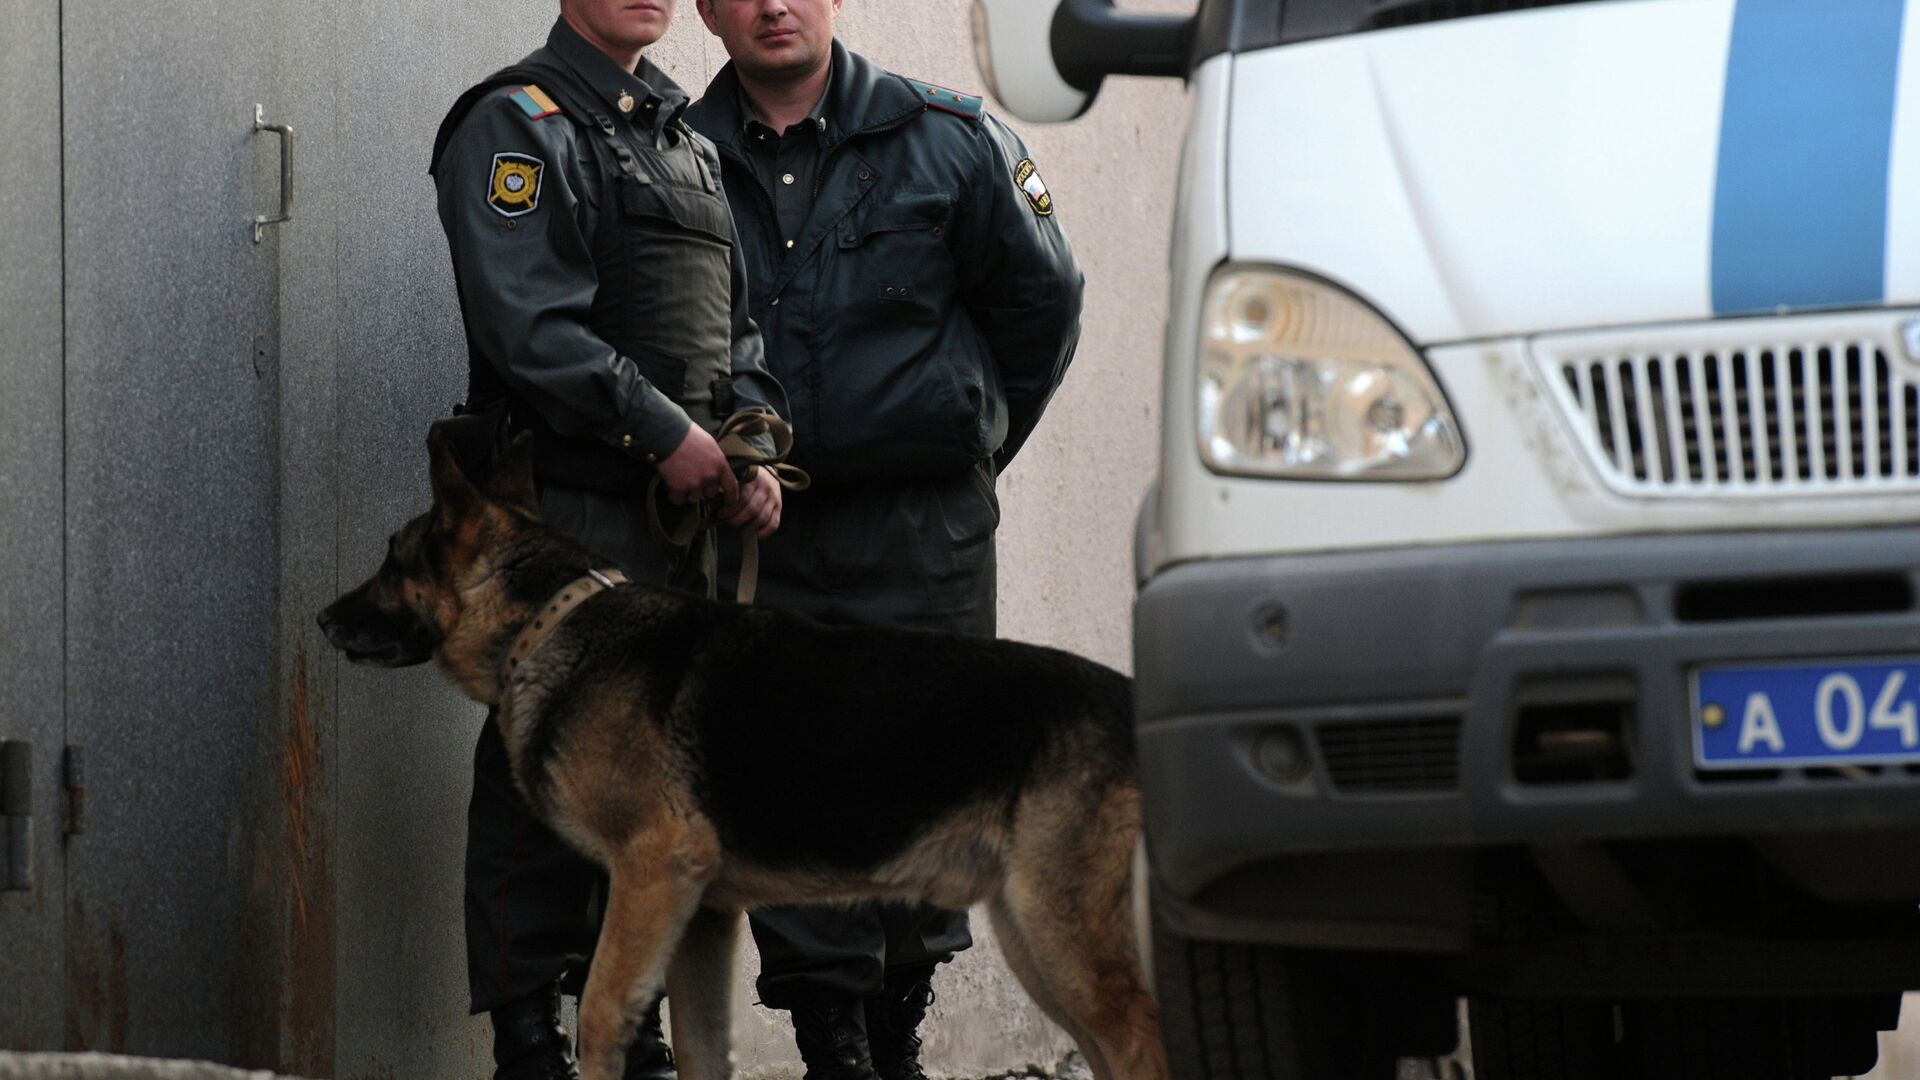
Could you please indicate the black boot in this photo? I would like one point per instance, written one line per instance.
(893, 1022)
(648, 1058)
(832, 1032)
(528, 1041)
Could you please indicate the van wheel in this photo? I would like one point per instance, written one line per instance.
(1233, 1011)
(1522, 1039)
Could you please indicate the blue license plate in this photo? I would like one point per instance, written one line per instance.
(1838, 713)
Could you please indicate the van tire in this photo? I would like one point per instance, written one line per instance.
(1233, 1011)
(1517, 1038)
(1523, 1039)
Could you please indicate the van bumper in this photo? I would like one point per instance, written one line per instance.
(1359, 715)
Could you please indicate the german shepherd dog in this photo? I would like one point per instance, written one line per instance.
(714, 758)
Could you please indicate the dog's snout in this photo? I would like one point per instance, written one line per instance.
(340, 627)
(332, 621)
(372, 635)
(329, 627)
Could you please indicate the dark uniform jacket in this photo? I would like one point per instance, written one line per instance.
(603, 292)
(606, 303)
(930, 305)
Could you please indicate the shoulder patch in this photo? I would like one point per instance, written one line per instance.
(514, 188)
(534, 102)
(1027, 175)
(953, 101)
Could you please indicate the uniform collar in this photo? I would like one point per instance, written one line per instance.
(862, 97)
(750, 119)
(656, 98)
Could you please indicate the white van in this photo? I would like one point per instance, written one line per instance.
(1528, 593)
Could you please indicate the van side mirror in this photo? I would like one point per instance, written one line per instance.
(1045, 59)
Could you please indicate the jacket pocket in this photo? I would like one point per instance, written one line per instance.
(901, 415)
(675, 209)
(892, 268)
(677, 296)
(898, 392)
(924, 213)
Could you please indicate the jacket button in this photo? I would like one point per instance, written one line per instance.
(865, 175)
(651, 459)
(938, 230)
(626, 440)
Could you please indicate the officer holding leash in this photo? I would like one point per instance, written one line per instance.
(605, 303)
(920, 305)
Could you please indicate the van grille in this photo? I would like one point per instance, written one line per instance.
(1380, 756)
(1807, 418)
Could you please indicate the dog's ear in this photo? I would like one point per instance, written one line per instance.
(454, 496)
(512, 479)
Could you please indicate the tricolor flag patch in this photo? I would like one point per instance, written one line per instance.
(1027, 175)
(534, 102)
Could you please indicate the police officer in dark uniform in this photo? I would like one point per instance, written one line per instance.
(920, 305)
(605, 304)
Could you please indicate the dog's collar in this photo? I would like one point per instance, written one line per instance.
(556, 611)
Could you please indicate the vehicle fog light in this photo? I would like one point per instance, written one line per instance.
(1282, 755)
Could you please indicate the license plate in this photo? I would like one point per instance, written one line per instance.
(1839, 713)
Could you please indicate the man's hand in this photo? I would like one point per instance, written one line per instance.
(758, 505)
(697, 470)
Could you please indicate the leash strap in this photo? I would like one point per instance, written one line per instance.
(736, 441)
(558, 608)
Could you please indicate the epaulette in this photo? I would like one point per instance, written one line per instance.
(953, 101)
(534, 102)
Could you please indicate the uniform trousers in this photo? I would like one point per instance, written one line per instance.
(916, 554)
(532, 902)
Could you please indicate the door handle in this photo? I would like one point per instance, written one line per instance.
(285, 131)
(16, 816)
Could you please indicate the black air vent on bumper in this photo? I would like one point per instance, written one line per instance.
(1793, 598)
(1371, 757)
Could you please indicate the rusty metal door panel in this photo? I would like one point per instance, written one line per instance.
(32, 922)
(178, 890)
(406, 740)
(304, 944)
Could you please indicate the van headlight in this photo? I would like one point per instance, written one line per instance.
(1300, 379)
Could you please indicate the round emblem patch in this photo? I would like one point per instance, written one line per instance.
(1027, 175)
(515, 189)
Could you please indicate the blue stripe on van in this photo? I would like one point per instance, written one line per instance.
(1806, 132)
